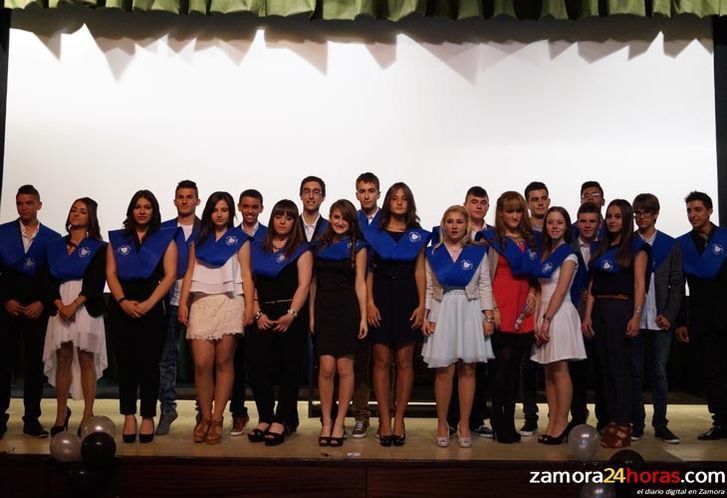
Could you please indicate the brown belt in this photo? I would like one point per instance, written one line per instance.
(619, 297)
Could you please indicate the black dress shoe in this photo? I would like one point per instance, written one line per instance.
(33, 428)
(716, 432)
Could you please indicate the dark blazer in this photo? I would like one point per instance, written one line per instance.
(318, 231)
(669, 285)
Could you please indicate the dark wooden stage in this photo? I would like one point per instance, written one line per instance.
(174, 466)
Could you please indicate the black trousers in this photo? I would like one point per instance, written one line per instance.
(580, 372)
(272, 356)
(610, 317)
(480, 410)
(711, 344)
(510, 349)
(33, 336)
(138, 343)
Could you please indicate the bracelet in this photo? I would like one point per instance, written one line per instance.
(119, 301)
(490, 319)
(637, 310)
(546, 317)
(496, 309)
(291, 311)
(258, 315)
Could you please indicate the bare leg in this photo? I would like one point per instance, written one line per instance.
(224, 373)
(466, 374)
(326, 374)
(404, 384)
(203, 353)
(382, 386)
(344, 366)
(64, 358)
(442, 395)
(88, 381)
(551, 397)
(563, 396)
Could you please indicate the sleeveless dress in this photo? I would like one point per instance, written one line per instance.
(337, 314)
(566, 339)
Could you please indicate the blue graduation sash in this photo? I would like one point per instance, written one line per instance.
(215, 253)
(182, 244)
(12, 252)
(270, 264)
(340, 250)
(553, 262)
(607, 261)
(260, 233)
(663, 244)
(139, 265)
(64, 266)
(708, 264)
(407, 249)
(521, 262)
(455, 273)
(363, 223)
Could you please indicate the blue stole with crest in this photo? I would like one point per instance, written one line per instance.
(547, 267)
(215, 253)
(182, 244)
(407, 249)
(65, 266)
(660, 249)
(708, 264)
(363, 224)
(607, 261)
(339, 250)
(521, 262)
(133, 264)
(455, 273)
(12, 252)
(270, 264)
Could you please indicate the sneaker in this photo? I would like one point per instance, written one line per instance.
(238, 425)
(360, 429)
(663, 433)
(637, 433)
(484, 431)
(33, 428)
(529, 428)
(165, 423)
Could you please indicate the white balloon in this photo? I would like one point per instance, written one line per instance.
(98, 424)
(65, 447)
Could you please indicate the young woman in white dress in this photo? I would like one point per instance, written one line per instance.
(458, 318)
(558, 337)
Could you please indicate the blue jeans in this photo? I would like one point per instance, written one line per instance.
(655, 344)
(168, 363)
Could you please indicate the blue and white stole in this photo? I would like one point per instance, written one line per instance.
(548, 266)
(708, 264)
(215, 253)
(133, 264)
(368, 229)
(12, 251)
(455, 273)
(64, 266)
(607, 261)
(411, 242)
(521, 263)
(260, 233)
(660, 249)
(339, 250)
(270, 264)
(182, 244)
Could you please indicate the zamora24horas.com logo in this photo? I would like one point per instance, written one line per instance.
(625, 475)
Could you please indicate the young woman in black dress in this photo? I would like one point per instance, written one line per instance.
(141, 267)
(282, 266)
(395, 308)
(338, 312)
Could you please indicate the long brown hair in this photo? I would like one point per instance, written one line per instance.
(410, 217)
(348, 212)
(513, 200)
(624, 254)
(548, 242)
(94, 229)
(287, 208)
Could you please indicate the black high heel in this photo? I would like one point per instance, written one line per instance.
(130, 438)
(386, 441)
(553, 440)
(60, 428)
(147, 438)
(257, 435)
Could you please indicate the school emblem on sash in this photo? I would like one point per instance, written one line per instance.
(414, 236)
(83, 252)
(230, 240)
(348, 244)
(717, 249)
(606, 265)
(124, 250)
(547, 267)
(466, 264)
(280, 258)
(29, 263)
(532, 255)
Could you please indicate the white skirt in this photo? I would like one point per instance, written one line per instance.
(212, 316)
(458, 334)
(566, 338)
(85, 332)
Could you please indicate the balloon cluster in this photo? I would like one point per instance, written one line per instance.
(91, 454)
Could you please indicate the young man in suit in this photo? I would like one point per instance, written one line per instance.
(312, 195)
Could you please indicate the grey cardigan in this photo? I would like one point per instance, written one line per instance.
(669, 285)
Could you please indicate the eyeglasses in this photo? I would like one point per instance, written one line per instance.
(641, 213)
(592, 195)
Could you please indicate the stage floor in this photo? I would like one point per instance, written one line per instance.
(685, 420)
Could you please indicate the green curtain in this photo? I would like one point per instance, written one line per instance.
(395, 10)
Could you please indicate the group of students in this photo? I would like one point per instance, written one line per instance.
(368, 285)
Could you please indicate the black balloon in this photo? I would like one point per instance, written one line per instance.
(626, 458)
(81, 480)
(98, 448)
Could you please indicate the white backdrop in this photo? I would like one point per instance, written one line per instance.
(440, 105)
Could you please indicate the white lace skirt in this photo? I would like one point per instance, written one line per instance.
(85, 332)
(459, 333)
(212, 316)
